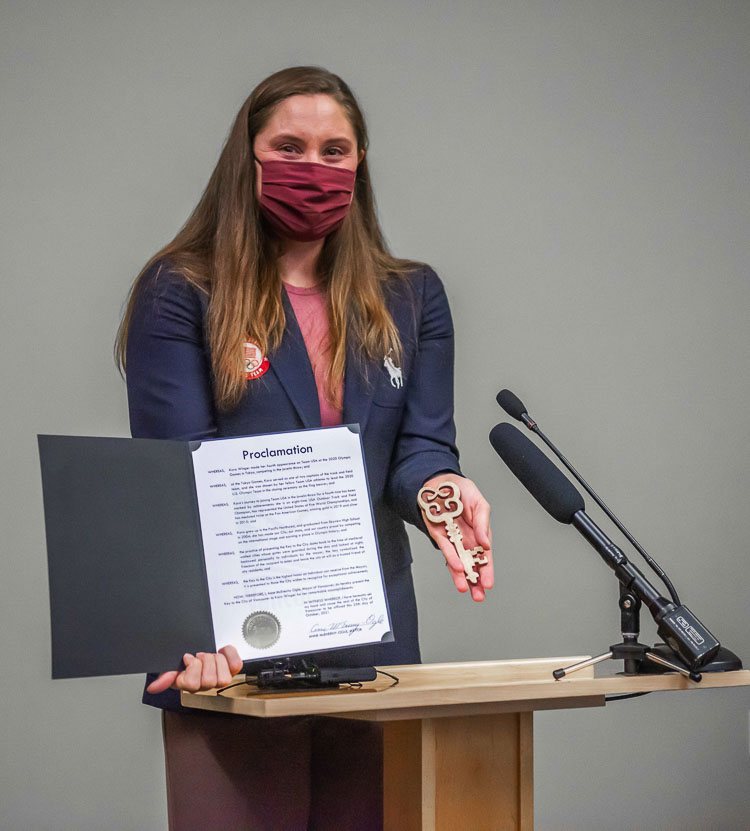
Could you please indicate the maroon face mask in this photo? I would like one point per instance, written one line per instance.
(305, 200)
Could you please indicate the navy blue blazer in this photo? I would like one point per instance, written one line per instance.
(408, 432)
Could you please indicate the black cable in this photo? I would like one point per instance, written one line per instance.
(229, 686)
(623, 696)
(383, 672)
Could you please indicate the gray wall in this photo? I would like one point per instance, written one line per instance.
(577, 172)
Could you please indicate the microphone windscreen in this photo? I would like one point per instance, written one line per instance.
(541, 478)
(511, 404)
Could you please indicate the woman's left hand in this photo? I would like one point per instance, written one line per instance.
(474, 524)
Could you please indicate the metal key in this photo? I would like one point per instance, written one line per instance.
(452, 507)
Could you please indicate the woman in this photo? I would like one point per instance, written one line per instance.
(278, 307)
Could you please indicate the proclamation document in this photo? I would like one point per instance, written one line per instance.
(289, 542)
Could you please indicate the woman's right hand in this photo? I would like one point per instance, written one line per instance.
(203, 671)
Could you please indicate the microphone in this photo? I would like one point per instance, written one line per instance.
(676, 624)
(515, 408)
(542, 479)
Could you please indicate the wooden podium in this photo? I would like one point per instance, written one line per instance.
(457, 737)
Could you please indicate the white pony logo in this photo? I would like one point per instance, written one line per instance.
(397, 379)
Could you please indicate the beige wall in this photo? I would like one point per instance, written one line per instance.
(577, 173)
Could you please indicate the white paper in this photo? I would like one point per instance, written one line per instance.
(289, 541)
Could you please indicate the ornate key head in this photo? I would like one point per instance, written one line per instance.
(441, 503)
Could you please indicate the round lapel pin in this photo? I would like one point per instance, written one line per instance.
(256, 363)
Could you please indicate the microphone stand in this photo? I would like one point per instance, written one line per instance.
(640, 659)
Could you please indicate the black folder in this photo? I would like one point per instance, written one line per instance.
(123, 531)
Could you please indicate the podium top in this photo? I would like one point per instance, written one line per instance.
(450, 689)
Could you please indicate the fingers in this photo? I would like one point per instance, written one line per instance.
(233, 658)
(204, 671)
(486, 572)
(223, 675)
(447, 549)
(453, 561)
(477, 592)
(209, 674)
(190, 678)
(163, 682)
(481, 522)
(478, 519)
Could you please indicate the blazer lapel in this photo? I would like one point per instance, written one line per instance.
(291, 363)
(357, 391)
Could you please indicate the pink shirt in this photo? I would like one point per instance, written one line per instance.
(309, 306)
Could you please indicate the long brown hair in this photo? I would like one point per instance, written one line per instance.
(224, 250)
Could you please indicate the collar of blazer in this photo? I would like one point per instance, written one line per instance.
(292, 367)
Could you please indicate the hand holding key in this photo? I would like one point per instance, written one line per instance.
(457, 518)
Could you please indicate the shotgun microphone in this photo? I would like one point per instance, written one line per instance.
(676, 624)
